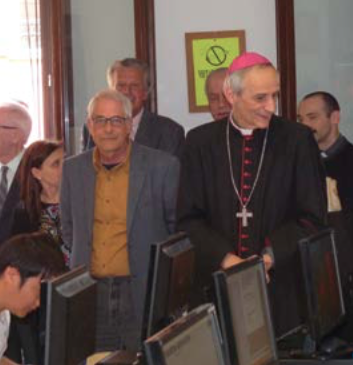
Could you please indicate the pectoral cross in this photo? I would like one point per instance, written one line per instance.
(244, 215)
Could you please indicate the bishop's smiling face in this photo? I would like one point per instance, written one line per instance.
(254, 106)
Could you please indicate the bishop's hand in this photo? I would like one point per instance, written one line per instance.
(230, 260)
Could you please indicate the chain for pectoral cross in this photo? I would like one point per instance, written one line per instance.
(244, 215)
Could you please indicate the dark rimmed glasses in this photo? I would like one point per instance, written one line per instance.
(115, 121)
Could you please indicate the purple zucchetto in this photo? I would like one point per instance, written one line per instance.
(247, 59)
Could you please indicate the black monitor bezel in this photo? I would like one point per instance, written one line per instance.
(316, 333)
(153, 346)
(166, 247)
(224, 309)
(52, 286)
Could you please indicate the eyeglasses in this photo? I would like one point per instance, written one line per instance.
(115, 121)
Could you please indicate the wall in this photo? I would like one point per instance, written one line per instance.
(102, 31)
(324, 52)
(174, 18)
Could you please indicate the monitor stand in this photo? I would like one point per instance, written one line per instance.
(121, 357)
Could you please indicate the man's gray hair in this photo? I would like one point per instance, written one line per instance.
(234, 81)
(17, 115)
(218, 71)
(129, 63)
(110, 94)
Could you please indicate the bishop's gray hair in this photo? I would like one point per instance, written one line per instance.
(235, 80)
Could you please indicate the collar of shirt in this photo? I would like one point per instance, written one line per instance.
(100, 167)
(12, 165)
(135, 123)
(243, 131)
(335, 148)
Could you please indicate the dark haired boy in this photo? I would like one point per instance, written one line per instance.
(25, 260)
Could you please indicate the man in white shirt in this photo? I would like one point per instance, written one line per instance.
(15, 128)
(25, 260)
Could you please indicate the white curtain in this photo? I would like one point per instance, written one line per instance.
(31, 12)
(20, 58)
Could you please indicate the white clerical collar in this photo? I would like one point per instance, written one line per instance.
(243, 131)
(136, 120)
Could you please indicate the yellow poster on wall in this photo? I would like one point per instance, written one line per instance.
(205, 52)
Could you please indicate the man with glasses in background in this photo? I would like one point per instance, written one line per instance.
(131, 77)
(15, 128)
(116, 200)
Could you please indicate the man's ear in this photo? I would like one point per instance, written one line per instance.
(12, 275)
(335, 117)
(129, 125)
(89, 125)
(145, 94)
(229, 95)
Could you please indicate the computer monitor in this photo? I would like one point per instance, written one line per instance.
(169, 283)
(244, 314)
(325, 306)
(70, 318)
(192, 339)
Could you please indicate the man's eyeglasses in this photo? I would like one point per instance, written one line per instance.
(115, 121)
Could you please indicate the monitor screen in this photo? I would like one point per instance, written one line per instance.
(192, 339)
(71, 316)
(243, 308)
(322, 284)
(169, 283)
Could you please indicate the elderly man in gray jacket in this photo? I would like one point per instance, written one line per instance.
(116, 200)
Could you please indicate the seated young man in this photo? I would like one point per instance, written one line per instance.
(25, 260)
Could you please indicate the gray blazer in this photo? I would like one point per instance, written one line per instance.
(153, 184)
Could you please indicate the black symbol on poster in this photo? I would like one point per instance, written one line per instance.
(216, 55)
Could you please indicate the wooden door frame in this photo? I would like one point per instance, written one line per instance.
(57, 62)
(285, 27)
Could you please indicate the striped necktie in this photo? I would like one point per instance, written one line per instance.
(3, 186)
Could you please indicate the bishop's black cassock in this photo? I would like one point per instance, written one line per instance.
(289, 199)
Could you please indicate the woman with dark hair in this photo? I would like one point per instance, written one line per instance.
(40, 177)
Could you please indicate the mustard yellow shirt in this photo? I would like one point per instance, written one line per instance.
(109, 247)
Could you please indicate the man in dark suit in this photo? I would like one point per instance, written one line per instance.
(321, 112)
(15, 127)
(131, 77)
(116, 200)
(217, 102)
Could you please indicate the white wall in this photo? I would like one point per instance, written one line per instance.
(102, 31)
(174, 18)
(324, 53)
